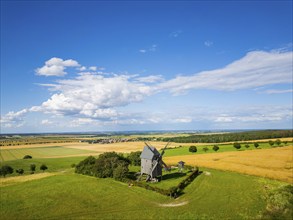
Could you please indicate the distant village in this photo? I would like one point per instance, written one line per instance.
(110, 140)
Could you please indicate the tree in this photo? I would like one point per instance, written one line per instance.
(256, 145)
(33, 168)
(205, 149)
(5, 169)
(278, 142)
(285, 142)
(247, 145)
(216, 148)
(27, 157)
(86, 166)
(19, 171)
(43, 167)
(193, 149)
(134, 158)
(120, 171)
(237, 145)
(271, 143)
(109, 164)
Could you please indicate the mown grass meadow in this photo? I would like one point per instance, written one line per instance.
(212, 195)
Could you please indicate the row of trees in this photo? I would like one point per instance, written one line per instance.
(229, 137)
(6, 169)
(193, 148)
(237, 145)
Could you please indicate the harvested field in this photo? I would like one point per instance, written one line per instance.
(42, 152)
(19, 179)
(275, 163)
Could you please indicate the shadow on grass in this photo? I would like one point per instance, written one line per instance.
(173, 176)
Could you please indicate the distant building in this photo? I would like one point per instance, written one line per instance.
(181, 165)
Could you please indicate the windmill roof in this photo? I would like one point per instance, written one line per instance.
(149, 153)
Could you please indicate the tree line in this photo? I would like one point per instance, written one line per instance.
(229, 137)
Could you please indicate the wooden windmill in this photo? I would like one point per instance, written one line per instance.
(152, 163)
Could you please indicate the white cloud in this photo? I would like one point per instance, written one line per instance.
(46, 122)
(93, 96)
(83, 68)
(152, 48)
(175, 34)
(13, 119)
(183, 120)
(55, 67)
(273, 91)
(208, 43)
(150, 79)
(256, 69)
(93, 68)
(100, 98)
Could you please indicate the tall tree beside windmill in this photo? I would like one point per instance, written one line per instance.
(152, 163)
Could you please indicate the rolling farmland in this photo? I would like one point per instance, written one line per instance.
(275, 163)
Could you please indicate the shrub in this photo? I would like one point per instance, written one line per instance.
(32, 168)
(19, 171)
(27, 157)
(256, 145)
(5, 169)
(73, 165)
(205, 149)
(237, 146)
(43, 167)
(193, 149)
(247, 145)
(271, 143)
(278, 142)
(216, 148)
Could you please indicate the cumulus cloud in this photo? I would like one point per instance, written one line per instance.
(255, 69)
(56, 67)
(93, 96)
(93, 68)
(13, 119)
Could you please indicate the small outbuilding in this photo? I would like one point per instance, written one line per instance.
(181, 165)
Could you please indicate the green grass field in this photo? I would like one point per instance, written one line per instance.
(184, 150)
(219, 195)
(53, 164)
(40, 152)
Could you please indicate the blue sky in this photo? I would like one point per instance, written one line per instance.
(145, 65)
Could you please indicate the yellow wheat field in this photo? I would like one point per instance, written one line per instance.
(276, 163)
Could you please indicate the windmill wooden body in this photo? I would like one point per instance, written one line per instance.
(152, 163)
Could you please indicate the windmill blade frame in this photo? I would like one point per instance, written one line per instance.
(164, 149)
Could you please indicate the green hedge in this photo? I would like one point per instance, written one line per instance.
(173, 191)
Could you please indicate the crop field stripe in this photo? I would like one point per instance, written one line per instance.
(1, 156)
(17, 153)
(12, 155)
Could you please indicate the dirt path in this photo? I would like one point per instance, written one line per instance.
(173, 204)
